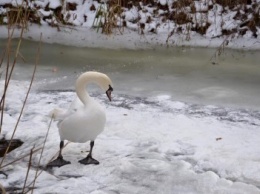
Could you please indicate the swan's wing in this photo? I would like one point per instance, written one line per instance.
(75, 105)
(59, 114)
(84, 124)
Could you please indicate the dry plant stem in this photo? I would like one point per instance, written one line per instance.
(55, 155)
(169, 36)
(28, 169)
(2, 103)
(2, 58)
(36, 173)
(2, 189)
(9, 74)
(21, 112)
(219, 50)
(36, 62)
(18, 159)
(10, 36)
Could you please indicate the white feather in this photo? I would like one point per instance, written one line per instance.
(86, 118)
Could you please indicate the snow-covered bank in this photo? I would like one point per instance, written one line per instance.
(150, 145)
(143, 24)
(89, 37)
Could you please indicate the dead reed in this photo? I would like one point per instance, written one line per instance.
(187, 15)
(107, 16)
(18, 20)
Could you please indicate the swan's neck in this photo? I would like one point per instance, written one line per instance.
(81, 91)
(90, 77)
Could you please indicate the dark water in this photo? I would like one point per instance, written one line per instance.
(186, 74)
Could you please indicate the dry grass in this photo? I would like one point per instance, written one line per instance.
(18, 18)
(231, 3)
(107, 16)
(2, 191)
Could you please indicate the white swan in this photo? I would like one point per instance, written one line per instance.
(85, 119)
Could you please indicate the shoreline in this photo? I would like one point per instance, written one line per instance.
(129, 39)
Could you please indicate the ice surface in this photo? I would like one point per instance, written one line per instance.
(153, 144)
(150, 145)
(178, 72)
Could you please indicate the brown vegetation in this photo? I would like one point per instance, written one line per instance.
(181, 12)
(19, 16)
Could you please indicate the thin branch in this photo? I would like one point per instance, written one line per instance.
(55, 155)
(22, 57)
(25, 100)
(36, 173)
(28, 169)
(2, 58)
(18, 159)
(2, 103)
(2, 189)
(10, 36)
(219, 51)
(9, 74)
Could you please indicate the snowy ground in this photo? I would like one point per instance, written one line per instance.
(220, 20)
(88, 37)
(150, 145)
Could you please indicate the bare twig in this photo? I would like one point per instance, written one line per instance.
(2, 189)
(37, 169)
(18, 159)
(22, 57)
(54, 156)
(219, 51)
(25, 100)
(2, 58)
(9, 74)
(18, 17)
(28, 169)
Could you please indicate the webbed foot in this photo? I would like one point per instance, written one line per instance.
(89, 160)
(59, 162)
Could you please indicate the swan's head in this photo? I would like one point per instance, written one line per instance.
(106, 84)
(101, 79)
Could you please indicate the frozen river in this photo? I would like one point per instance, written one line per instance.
(187, 74)
(179, 122)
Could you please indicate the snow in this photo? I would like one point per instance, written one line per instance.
(54, 4)
(150, 145)
(159, 31)
(42, 3)
(3, 2)
(163, 2)
(131, 14)
(45, 13)
(201, 6)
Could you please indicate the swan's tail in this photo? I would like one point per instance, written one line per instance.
(57, 114)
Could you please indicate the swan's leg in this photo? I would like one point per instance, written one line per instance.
(59, 161)
(89, 159)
